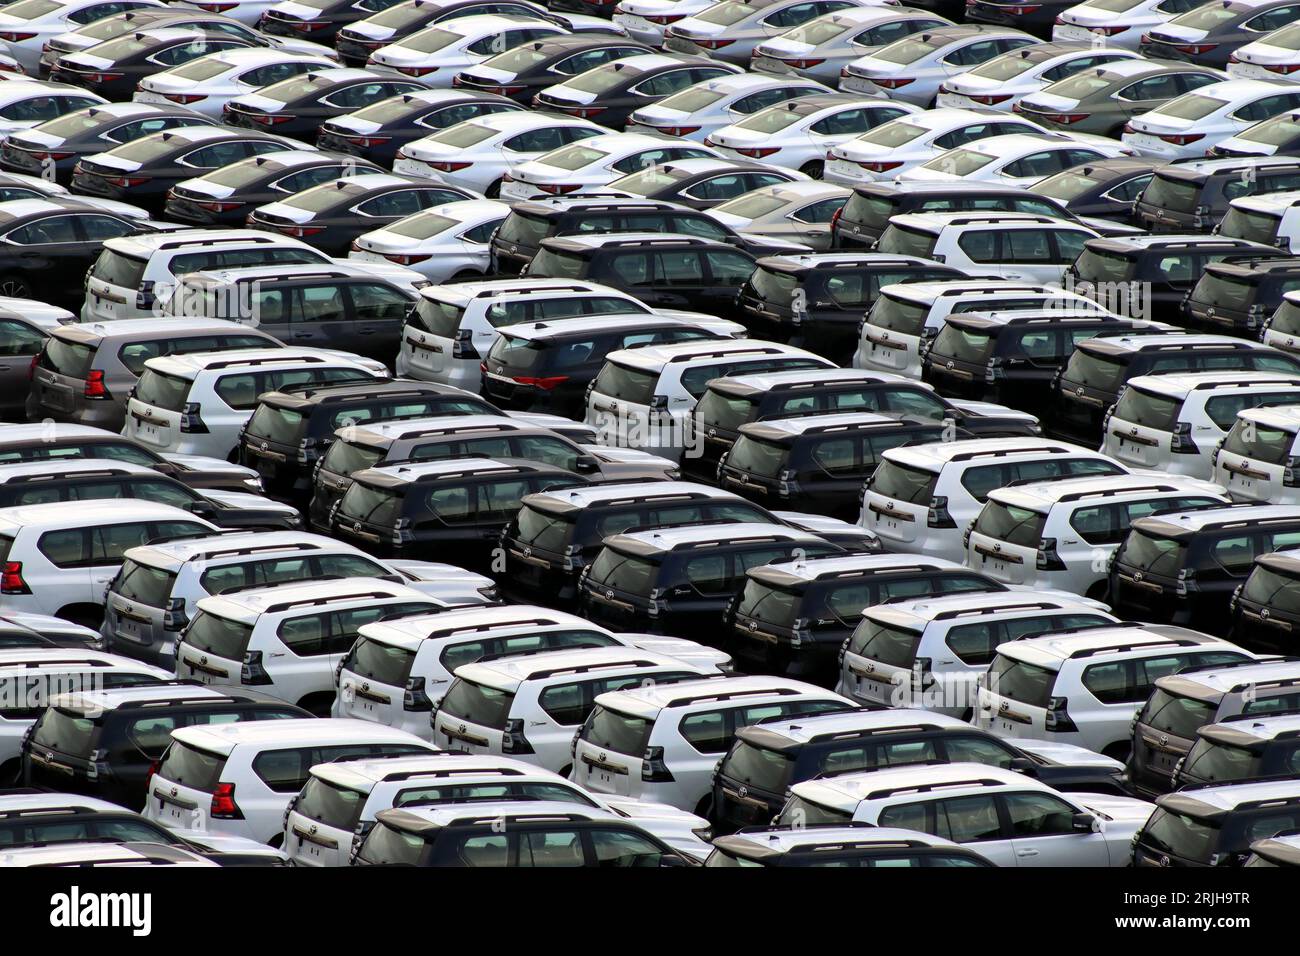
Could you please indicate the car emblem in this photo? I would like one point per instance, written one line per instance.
(263, 446)
(997, 547)
(462, 728)
(601, 756)
(1263, 614)
(951, 364)
(870, 668)
(527, 552)
(1163, 740)
(514, 248)
(1244, 463)
(365, 685)
(712, 432)
(1004, 707)
(753, 625)
(203, 660)
(312, 829)
(500, 369)
(857, 228)
(1132, 431)
(609, 592)
(356, 526)
(1138, 575)
(884, 336)
(174, 791)
(1164, 861)
(1210, 311)
(742, 791)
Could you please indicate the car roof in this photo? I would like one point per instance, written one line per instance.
(934, 455)
(490, 288)
(814, 569)
(238, 544)
(580, 324)
(304, 594)
(584, 496)
(1052, 650)
(16, 801)
(670, 538)
(1038, 495)
(1180, 384)
(1285, 417)
(1269, 202)
(1227, 679)
(848, 790)
(1261, 727)
(655, 357)
(128, 329)
(70, 469)
(365, 773)
(430, 819)
(917, 612)
(56, 514)
(224, 738)
(954, 288)
(190, 364)
(775, 842)
(510, 672)
(764, 381)
(832, 421)
(647, 700)
(1234, 515)
(111, 698)
(804, 729)
(1214, 801)
(410, 632)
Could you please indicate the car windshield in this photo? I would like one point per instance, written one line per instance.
(477, 703)
(1077, 87)
(345, 458)
(960, 162)
(1099, 265)
(284, 426)
(1182, 836)
(897, 132)
(238, 175)
(726, 13)
(885, 643)
(773, 605)
(1094, 370)
(519, 60)
(66, 357)
(376, 506)
(116, 269)
(204, 68)
(1176, 715)
(1277, 131)
(1002, 522)
(1259, 227)
(386, 846)
(219, 636)
(644, 182)
(771, 120)
(820, 30)
(1065, 186)
(1020, 681)
(1211, 762)
(1149, 409)
(162, 390)
(906, 241)
(725, 411)
(1005, 67)
(384, 663)
(144, 584)
(1249, 439)
(600, 79)
(769, 770)
(690, 100)
(624, 572)
(73, 124)
(898, 315)
(1175, 193)
(191, 766)
(1153, 554)
(541, 529)
(333, 805)
(1207, 17)
(752, 205)
(757, 457)
(551, 264)
(774, 286)
(618, 732)
(1278, 591)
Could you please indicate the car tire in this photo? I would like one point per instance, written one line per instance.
(813, 169)
(494, 190)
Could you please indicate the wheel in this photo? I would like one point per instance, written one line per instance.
(493, 191)
(16, 287)
(813, 169)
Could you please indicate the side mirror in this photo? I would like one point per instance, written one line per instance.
(1085, 822)
(1026, 766)
(586, 464)
(673, 860)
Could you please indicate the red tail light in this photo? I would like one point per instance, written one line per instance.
(1021, 11)
(1128, 128)
(545, 384)
(1195, 48)
(126, 182)
(103, 77)
(403, 258)
(665, 19)
(990, 100)
(449, 167)
(880, 167)
(44, 155)
(802, 64)
(1181, 139)
(11, 579)
(31, 369)
(223, 803)
(307, 26)
(707, 44)
(1283, 68)
(1065, 119)
(269, 119)
(416, 70)
(558, 190)
(184, 98)
(299, 232)
(1108, 31)
(16, 37)
(676, 130)
(368, 141)
(582, 112)
(891, 84)
(759, 152)
(95, 387)
(216, 7)
(153, 769)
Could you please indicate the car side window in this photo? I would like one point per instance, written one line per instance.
(16, 338)
(51, 230)
(968, 819)
(708, 732)
(678, 268)
(728, 268)
(65, 549)
(1111, 682)
(621, 848)
(1038, 814)
(972, 749)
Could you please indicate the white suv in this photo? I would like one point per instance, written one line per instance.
(1270, 218)
(451, 328)
(663, 742)
(1011, 819)
(58, 558)
(288, 640)
(530, 707)
(238, 779)
(1084, 687)
(1259, 459)
(1173, 423)
(644, 397)
(907, 315)
(159, 586)
(1061, 534)
(327, 821)
(196, 404)
(398, 670)
(928, 652)
(921, 498)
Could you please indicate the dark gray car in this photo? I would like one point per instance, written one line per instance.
(1209, 35)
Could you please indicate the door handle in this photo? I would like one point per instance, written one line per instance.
(366, 331)
(302, 335)
(1026, 853)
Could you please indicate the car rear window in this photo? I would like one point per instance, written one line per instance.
(1251, 440)
(905, 241)
(144, 583)
(762, 458)
(1171, 192)
(1020, 526)
(68, 732)
(380, 506)
(165, 391)
(771, 605)
(613, 730)
(964, 344)
(769, 770)
(1177, 715)
(477, 703)
(557, 265)
(330, 804)
(1156, 555)
(623, 571)
(1100, 266)
(220, 636)
(384, 663)
(1148, 409)
(284, 426)
(895, 646)
(1229, 291)
(438, 317)
(1255, 226)
(804, 813)
(541, 529)
(898, 315)
(1277, 591)
(633, 385)
(192, 767)
(903, 482)
(1017, 680)
(524, 230)
(387, 846)
(1214, 762)
(774, 286)
(1093, 370)
(73, 359)
(118, 270)
(1181, 836)
(346, 458)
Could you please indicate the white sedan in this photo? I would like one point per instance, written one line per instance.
(477, 153)
(1116, 23)
(646, 20)
(1014, 160)
(701, 108)
(438, 52)
(208, 83)
(25, 26)
(1274, 56)
(999, 83)
(28, 103)
(444, 242)
(1190, 124)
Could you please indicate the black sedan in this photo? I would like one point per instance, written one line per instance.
(1106, 189)
(113, 68)
(297, 106)
(377, 132)
(1208, 35)
(331, 215)
(58, 144)
(142, 172)
(44, 241)
(319, 20)
(701, 183)
(225, 196)
(357, 42)
(522, 72)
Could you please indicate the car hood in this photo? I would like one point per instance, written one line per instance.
(991, 408)
(243, 500)
(1126, 813)
(628, 456)
(204, 463)
(398, 275)
(1068, 754)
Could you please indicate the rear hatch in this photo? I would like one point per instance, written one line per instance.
(472, 717)
(180, 792)
(112, 285)
(517, 240)
(718, 416)
(609, 751)
(156, 410)
(61, 378)
(752, 781)
(321, 822)
(1147, 568)
(1172, 838)
(897, 503)
(767, 616)
(1164, 731)
(373, 680)
(958, 361)
(271, 439)
(1004, 542)
(865, 216)
(1170, 201)
(891, 334)
(769, 293)
(333, 475)
(61, 746)
(757, 467)
(619, 587)
(1141, 428)
(878, 661)
(138, 605)
(1013, 697)
(538, 543)
(213, 648)
(1088, 386)
(430, 335)
(620, 400)
(1253, 461)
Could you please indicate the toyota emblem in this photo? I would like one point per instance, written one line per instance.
(1079, 390)
(997, 547)
(312, 829)
(601, 756)
(174, 791)
(356, 526)
(1137, 575)
(1163, 740)
(462, 728)
(1004, 707)
(1133, 431)
(203, 660)
(527, 552)
(609, 592)
(951, 364)
(1164, 861)
(365, 686)
(264, 446)
(1263, 614)
(753, 625)
(712, 432)
(742, 791)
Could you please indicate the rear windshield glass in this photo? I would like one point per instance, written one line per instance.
(386, 846)
(885, 643)
(281, 425)
(1172, 193)
(899, 315)
(725, 411)
(68, 732)
(1219, 763)
(1272, 446)
(1019, 681)
(904, 241)
(1098, 266)
(874, 211)
(346, 458)
(769, 770)
(144, 583)
(964, 344)
(326, 803)
(1184, 837)
(773, 285)
(218, 635)
(618, 732)
(1148, 409)
(621, 571)
(1091, 370)
(478, 703)
(384, 663)
(627, 384)
(437, 317)
(757, 457)
(540, 529)
(117, 269)
(1256, 226)
(379, 506)
(903, 483)
(771, 605)
(1175, 715)
(805, 813)
(1272, 589)
(1008, 523)
(67, 358)
(1163, 556)
(192, 767)
(164, 391)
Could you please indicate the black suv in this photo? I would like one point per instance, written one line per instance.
(529, 68)
(1241, 749)
(793, 619)
(1182, 567)
(1163, 268)
(769, 757)
(1012, 357)
(105, 743)
(1266, 608)
(1194, 196)
(671, 272)
(733, 401)
(1092, 379)
(824, 459)
(1215, 826)
(520, 236)
(818, 301)
(292, 428)
(680, 580)
(1236, 297)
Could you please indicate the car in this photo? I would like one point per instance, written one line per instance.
(1014, 820)
(666, 271)
(709, 105)
(931, 651)
(799, 133)
(1100, 366)
(436, 781)
(771, 756)
(1237, 295)
(797, 213)
(1003, 81)
(1211, 34)
(28, 103)
(114, 855)
(1182, 704)
(33, 23)
(103, 742)
(593, 163)
(1085, 686)
(1107, 189)
(1260, 611)
(321, 20)
(379, 131)
(733, 401)
(792, 618)
(1254, 461)
(414, 659)
(20, 630)
(24, 339)
(700, 183)
(1280, 328)
(57, 145)
(223, 197)
(1102, 100)
(840, 846)
(112, 69)
(1120, 22)
(479, 153)
(546, 366)
(287, 639)
(239, 778)
(925, 60)
(1173, 423)
(209, 83)
(1278, 851)
(1245, 749)
(297, 105)
(1268, 56)
(529, 68)
(1061, 534)
(661, 742)
(1187, 125)
(645, 20)
(532, 707)
(892, 148)
(1269, 219)
(1223, 822)
(571, 835)
(147, 168)
(731, 33)
(1271, 137)
(156, 592)
(818, 48)
(336, 212)
(906, 316)
(439, 51)
(945, 484)
(59, 556)
(643, 397)
(1017, 159)
(1193, 196)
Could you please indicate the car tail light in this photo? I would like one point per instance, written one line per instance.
(45, 155)
(802, 64)
(223, 803)
(653, 767)
(557, 189)
(13, 37)
(251, 670)
(1107, 31)
(513, 741)
(153, 769)
(367, 141)
(1284, 68)
(299, 232)
(1058, 719)
(414, 697)
(216, 206)
(416, 70)
(892, 83)
(31, 369)
(989, 100)
(191, 423)
(103, 77)
(711, 44)
(445, 167)
(184, 98)
(1291, 473)
(307, 26)
(1182, 443)
(215, 7)
(677, 130)
(95, 387)
(463, 347)
(665, 19)
(582, 112)
(1022, 11)
(1048, 559)
(11, 579)
(759, 152)
(1129, 128)
(937, 516)
(546, 383)
(174, 618)
(268, 119)
(1065, 119)
(1180, 139)
(1195, 48)
(405, 258)
(838, 213)
(126, 182)
(876, 167)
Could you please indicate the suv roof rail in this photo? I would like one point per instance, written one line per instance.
(258, 585)
(972, 612)
(708, 522)
(1133, 646)
(1002, 452)
(1242, 718)
(588, 668)
(183, 243)
(931, 787)
(1108, 492)
(733, 695)
(1247, 662)
(1201, 386)
(57, 475)
(480, 628)
(754, 350)
(489, 293)
(328, 599)
(666, 240)
(228, 363)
